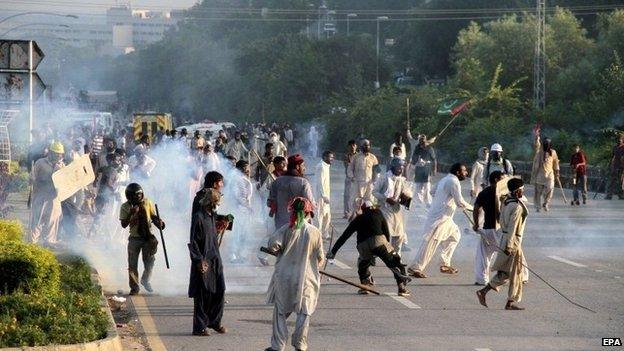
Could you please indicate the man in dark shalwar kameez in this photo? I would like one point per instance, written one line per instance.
(207, 283)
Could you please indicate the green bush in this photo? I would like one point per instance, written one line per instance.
(73, 315)
(28, 268)
(67, 318)
(10, 230)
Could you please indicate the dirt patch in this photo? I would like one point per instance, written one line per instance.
(128, 326)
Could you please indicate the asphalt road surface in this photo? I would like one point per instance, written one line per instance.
(577, 249)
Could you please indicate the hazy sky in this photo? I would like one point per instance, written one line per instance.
(88, 6)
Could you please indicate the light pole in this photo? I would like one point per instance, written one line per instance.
(32, 24)
(379, 18)
(350, 15)
(37, 13)
(322, 7)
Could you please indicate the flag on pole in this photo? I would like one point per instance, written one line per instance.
(453, 106)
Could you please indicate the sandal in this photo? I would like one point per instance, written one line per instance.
(448, 270)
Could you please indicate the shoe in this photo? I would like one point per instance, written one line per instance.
(572, 203)
(269, 349)
(220, 329)
(584, 201)
(404, 278)
(403, 291)
(479, 284)
(537, 209)
(481, 297)
(545, 207)
(147, 286)
(204, 332)
(448, 270)
(578, 203)
(263, 261)
(363, 292)
(416, 274)
(513, 307)
(134, 292)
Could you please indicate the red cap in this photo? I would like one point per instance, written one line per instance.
(295, 159)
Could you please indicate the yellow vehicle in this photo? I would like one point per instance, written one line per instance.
(148, 123)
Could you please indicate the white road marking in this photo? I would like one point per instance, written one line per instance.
(404, 301)
(482, 349)
(339, 264)
(598, 270)
(571, 263)
(149, 327)
(617, 277)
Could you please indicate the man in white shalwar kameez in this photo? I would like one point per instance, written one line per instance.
(476, 173)
(296, 281)
(439, 226)
(388, 191)
(361, 175)
(45, 212)
(322, 191)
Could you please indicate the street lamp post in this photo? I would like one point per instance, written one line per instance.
(36, 13)
(350, 15)
(32, 24)
(322, 7)
(379, 18)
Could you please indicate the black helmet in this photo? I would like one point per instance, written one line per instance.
(133, 189)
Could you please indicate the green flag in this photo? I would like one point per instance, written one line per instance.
(453, 106)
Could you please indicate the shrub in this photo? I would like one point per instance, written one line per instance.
(59, 319)
(28, 268)
(73, 315)
(10, 230)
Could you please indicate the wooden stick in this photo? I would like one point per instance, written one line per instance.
(361, 286)
(565, 201)
(263, 164)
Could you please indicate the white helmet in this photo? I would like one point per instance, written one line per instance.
(496, 147)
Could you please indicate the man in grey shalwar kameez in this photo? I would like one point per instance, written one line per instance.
(46, 212)
(287, 187)
(296, 281)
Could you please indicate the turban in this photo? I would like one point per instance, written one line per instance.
(299, 207)
(295, 160)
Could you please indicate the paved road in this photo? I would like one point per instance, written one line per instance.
(578, 250)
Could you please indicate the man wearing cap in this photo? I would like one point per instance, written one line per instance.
(360, 174)
(296, 281)
(496, 162)
(287, 187)
(389, 189)
(45, 211)
(545, 171)
(439, 226)
(425, 166)
(476, 173)
(236, 148)
(373, 239)
(346, 161)
(509, 263)
(322, 190)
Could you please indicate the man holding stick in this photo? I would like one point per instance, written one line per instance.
(138, 213)
(440, 229)
(545, 171)
(373, 239)
(207, 283)
(509, 262)
(296, 281)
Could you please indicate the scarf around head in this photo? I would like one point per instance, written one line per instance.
(299, 207)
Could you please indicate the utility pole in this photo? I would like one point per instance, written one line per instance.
(350, 15)
(379, 18)
(539, 61)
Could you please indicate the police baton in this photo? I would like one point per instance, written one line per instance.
(162, 238)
